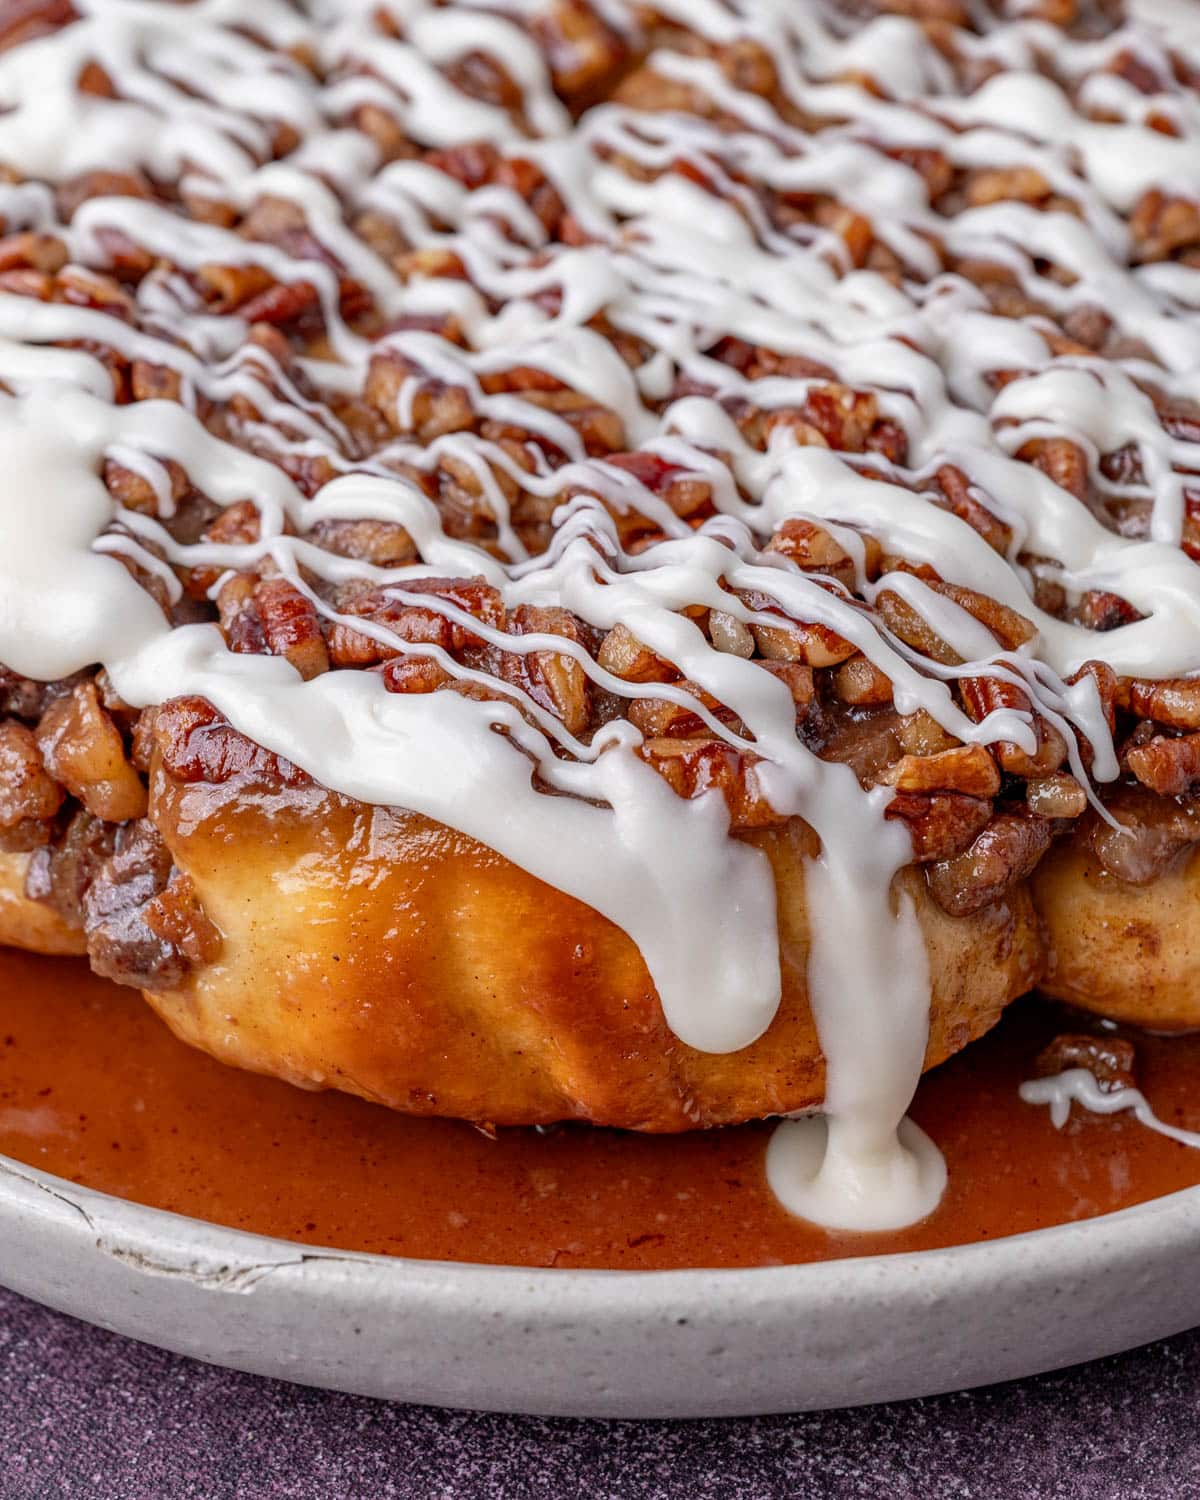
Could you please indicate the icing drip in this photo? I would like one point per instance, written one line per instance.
(678, 246)
(1079, 1086)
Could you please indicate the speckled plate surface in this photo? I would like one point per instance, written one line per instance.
(595, 1343)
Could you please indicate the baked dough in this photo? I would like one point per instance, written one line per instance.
(372, 950)
(1128, 952)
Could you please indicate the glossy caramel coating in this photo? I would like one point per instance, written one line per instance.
(372, 950)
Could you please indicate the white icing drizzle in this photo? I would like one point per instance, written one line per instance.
(678, 265)
(1079, 1086)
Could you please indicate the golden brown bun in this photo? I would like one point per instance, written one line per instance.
(30, 924)
(375, 951)
(1129, 952)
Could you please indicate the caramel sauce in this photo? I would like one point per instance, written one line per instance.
(94, 1088)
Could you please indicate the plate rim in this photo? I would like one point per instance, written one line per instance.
(694, 1342)
(1166, 1206)
(68, 1191)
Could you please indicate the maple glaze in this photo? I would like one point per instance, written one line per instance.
(95, 1089)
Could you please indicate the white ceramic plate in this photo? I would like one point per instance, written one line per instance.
(606, 1343)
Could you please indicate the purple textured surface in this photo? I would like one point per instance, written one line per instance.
(89, 1414)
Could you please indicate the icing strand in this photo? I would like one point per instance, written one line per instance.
(1079, 1086)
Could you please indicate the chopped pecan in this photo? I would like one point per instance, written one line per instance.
(285, 302)
(414, 674)
(414, 623)
(687, 494)
(984, 695)
(1165, 765)
(1061, 460)
(584, 54)
(27, 793)
(1153, 833)
(998, 184)
(942, 824)
(60, 875)
(859, 681)
(240, 622)
(291, 626)
(37, 252)
(82, 748)
(694, 767)
(197, 744)
(729, 635)
(1010, 628)
(812, 548)
(1098, 610)
(554, 681)
(910, 626)
(968, 769)
(794, 640)
(435, 407)
(798, 679)
(921, 734)
(1056, 796)
(383, 543)
(1109, 1059)
(1174, 702)
(1162, 225)
(151, 382)
(230, 286)
(135, 492)
(144, 923)
(622, 654)
(961, 498)
(1005, 852)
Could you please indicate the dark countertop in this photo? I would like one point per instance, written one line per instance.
(90, 1414)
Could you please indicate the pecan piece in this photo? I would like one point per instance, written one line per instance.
(694, 767)
(794, 640)
(82, 748)
(957, 489)
(1109, 1059)
(291, 626)
(968, 769)
(414, 674)
(197, 744)
(942, 824)
(1162, 225)
(1004, 853)
(622, 654)
(26, 791)
(729, 635)
(61, 874)
(1174, 702)
(554, 681)
(1056, 796)
(144, 923)
(1167, 766)
(982, 696)
(383, 543)
(812, 548)
(859, 682)
(414, 623)
(1154, 831)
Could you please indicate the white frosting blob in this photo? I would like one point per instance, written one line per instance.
(817, 1177)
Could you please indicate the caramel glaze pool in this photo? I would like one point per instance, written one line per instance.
(94, 1088)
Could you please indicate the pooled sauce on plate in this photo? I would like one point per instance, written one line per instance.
(95, 1089)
